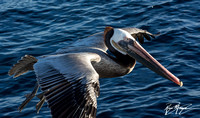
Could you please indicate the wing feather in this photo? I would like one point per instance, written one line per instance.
(70, 84)
(22, 66)
(140, 34)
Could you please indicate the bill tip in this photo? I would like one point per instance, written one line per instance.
(181, 84)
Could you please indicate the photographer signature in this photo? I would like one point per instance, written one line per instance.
(177, 108)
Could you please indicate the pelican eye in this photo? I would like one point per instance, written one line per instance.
(127, 39)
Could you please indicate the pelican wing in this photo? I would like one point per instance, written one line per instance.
(22, 66)
(70, 84)
(93, 41)
(140, 34)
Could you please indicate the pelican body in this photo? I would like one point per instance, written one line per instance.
(69, 78)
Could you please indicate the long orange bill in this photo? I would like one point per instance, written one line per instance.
(136, 51)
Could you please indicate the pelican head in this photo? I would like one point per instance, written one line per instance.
(120, 42)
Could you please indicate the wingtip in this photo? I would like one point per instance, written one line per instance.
(22, 66)
(10, 73)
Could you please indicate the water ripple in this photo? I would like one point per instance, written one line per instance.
(41, 27)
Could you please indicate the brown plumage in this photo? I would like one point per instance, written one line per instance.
(140, 34)
(22, 66)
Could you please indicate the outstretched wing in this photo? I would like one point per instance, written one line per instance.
(70, 84)
(140, 34)
(93, 41)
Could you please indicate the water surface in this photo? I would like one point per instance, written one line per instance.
(38, 27)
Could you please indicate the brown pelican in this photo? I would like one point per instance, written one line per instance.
(69, 78)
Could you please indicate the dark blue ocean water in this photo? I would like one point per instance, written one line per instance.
(39, 27)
